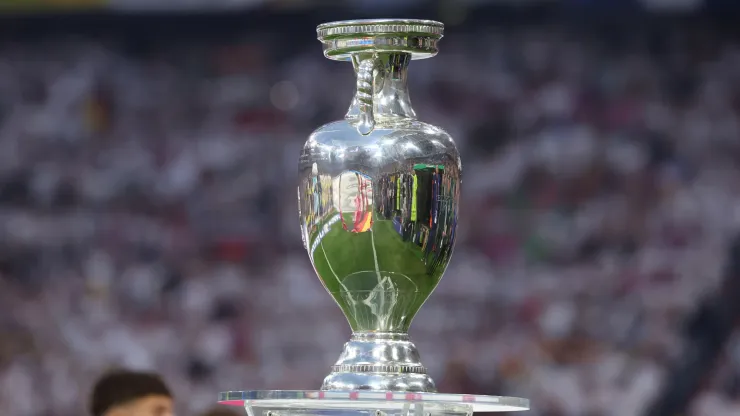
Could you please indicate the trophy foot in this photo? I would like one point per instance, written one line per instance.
(379, 361)
(412, 383)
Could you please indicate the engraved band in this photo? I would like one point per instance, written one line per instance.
(379, 29)
(379, 368)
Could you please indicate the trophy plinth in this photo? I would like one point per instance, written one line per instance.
(367, 403)
(378, 206)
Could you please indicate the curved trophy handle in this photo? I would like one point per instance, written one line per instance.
(366, 75)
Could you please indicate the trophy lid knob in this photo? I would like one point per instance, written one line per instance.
(344, 38)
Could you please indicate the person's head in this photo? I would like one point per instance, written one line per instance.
(131, 393)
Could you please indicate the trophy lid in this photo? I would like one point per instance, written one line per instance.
(417, 37)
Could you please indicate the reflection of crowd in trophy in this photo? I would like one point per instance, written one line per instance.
(318, 191)
(355, 194)
(420, 204)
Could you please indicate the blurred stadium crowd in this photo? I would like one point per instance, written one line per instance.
(149, 219)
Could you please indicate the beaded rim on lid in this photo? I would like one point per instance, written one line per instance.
(343, 38)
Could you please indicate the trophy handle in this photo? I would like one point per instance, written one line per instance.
(367, 73)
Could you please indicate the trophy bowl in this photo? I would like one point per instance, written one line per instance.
(378, 199)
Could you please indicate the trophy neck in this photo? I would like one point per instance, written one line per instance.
(382, 89)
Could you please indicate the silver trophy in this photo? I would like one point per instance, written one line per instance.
(378, 201)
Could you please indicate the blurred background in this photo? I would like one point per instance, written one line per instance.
(148, 214)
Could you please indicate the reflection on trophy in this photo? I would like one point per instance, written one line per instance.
(378, 203)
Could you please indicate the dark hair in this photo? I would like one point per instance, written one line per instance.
(121, 387)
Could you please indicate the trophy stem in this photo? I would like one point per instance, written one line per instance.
(379, 361)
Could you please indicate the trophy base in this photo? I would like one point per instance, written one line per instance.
(366, 381)
(379, 361)
(367, 403)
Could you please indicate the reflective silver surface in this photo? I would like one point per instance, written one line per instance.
(379, 361)
(378, 203)
(364, 403)
(342, 40)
